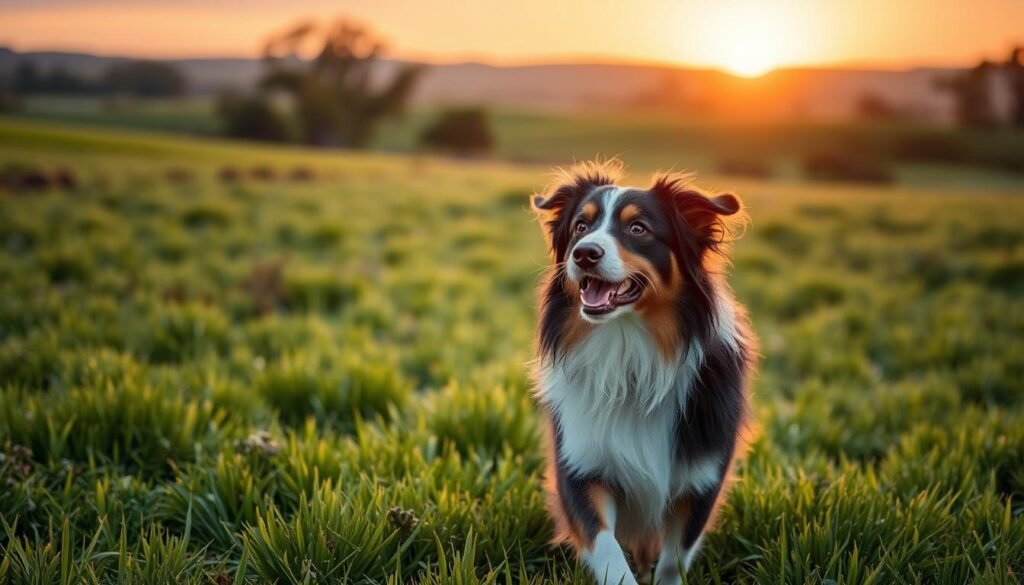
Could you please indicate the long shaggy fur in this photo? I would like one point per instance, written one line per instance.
(645, 402)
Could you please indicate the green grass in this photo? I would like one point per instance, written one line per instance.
(919, 154)
(188, 116)
(323, 381)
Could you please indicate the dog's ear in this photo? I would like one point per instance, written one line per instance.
(712, 219)
(553, 211)
(549, 205)
(701, 211)
(558, 204)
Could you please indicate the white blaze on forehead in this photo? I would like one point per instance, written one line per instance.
(609, 202)
(611, 266)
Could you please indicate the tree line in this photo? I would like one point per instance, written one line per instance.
(135, 78)
(974, 92)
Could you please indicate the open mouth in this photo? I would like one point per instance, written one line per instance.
(601, 297)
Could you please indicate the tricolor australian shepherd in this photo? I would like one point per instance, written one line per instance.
(642, 362)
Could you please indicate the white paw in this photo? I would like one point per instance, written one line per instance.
(618, 579)
(607, 561)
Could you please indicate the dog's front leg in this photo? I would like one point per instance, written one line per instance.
(684, 527)
(591, 508)
(603, 555)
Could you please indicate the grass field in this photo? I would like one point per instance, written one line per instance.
(915, 154)
(269, 380)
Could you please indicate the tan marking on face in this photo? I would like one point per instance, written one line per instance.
(629, 213)
(575, 328)
(589, 211)
(657, 304)
(637, 264)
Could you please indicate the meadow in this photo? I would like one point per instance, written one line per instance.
(224, 363)
(911, 152)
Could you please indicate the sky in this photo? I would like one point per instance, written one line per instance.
(747, 37)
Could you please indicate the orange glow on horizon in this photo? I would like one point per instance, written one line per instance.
(749, 38)
(745, 37)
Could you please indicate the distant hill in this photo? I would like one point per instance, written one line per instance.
(205, 76)
(817, 93)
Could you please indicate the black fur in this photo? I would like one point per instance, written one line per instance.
(556, 308)
(687, 227)
(572, 489)
(562, 205)
(715, 406)
(700, 508)
(658, 248)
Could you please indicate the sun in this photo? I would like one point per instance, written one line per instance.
(749, 57)
(749, 38)
(751, 43)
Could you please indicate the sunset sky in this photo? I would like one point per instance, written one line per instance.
(744, 36)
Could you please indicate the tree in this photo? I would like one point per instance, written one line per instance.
(144, 79)
(336, 96)
(1015, 72)
(465, 131)
(973, 95)
(28, 79)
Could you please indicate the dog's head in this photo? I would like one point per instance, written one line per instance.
(621, 249)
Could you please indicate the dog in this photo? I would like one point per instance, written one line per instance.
(641, 370)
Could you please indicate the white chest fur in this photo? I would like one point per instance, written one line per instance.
(617, 401)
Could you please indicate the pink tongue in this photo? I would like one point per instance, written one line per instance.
(598, 294)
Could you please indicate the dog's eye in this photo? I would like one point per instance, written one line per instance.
(637, 229)
(581, 226)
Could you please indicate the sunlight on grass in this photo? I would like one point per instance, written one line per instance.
(206, 378)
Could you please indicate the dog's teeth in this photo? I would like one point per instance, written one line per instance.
(623, 288)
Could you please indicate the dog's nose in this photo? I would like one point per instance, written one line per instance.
(587, 255)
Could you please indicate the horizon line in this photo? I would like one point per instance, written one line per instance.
(582, 59)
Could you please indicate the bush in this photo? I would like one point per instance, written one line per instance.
(746, 167)
(464, 131)
(932, 147)
(253, 118)
(19, 178)
(833, 165)
(145, 79)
